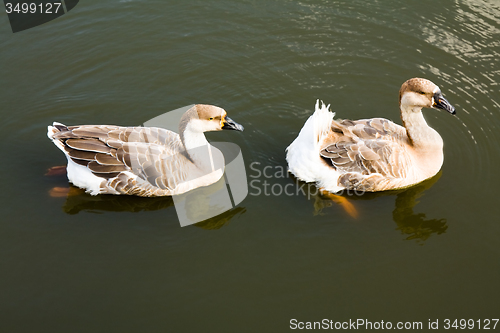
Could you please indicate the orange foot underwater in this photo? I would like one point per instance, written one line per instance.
(56, 171)
(62, 192)
(348, 207)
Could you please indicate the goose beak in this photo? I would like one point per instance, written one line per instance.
(441, 103)
(229, 124)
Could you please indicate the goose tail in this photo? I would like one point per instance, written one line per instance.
(322, 121)
(52, 132)
(315, 129)
(304, 150)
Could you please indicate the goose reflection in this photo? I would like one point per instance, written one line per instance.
(415, 226)
(77, 201)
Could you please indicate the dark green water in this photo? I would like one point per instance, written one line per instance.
(115, 264)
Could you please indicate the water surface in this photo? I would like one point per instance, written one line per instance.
(120, 264)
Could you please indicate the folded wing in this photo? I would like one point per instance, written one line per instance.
(368, 153)
(116, 154)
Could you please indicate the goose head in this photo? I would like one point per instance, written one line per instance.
(205, 118)
(418, 93)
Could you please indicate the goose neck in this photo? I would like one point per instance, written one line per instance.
(197, 148)
(419, 133)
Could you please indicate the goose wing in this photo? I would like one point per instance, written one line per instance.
(155, 155)
(369, 154)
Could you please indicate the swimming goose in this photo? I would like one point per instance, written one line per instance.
(144, 161)
(371, 154)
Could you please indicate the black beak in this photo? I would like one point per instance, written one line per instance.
(441, 103)
(230, 124)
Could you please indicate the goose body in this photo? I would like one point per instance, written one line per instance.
(144, 161)
(371, 154)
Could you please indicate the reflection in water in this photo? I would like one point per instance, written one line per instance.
(218, 221)
(79, 201)
(202, 203)
(415, 225)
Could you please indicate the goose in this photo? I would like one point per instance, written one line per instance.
(144, 161)
(371, 155)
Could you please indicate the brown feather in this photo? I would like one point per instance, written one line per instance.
(91, 131)
(80, 154)
(367, 153)
(114, 143)
(64, 135)
(114, 134)
(81, 162)
(107, 160)
(88, 145)
(106, 175)
(96, 167)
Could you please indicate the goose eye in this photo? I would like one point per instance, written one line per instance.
(211, 118)
(421, 93)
